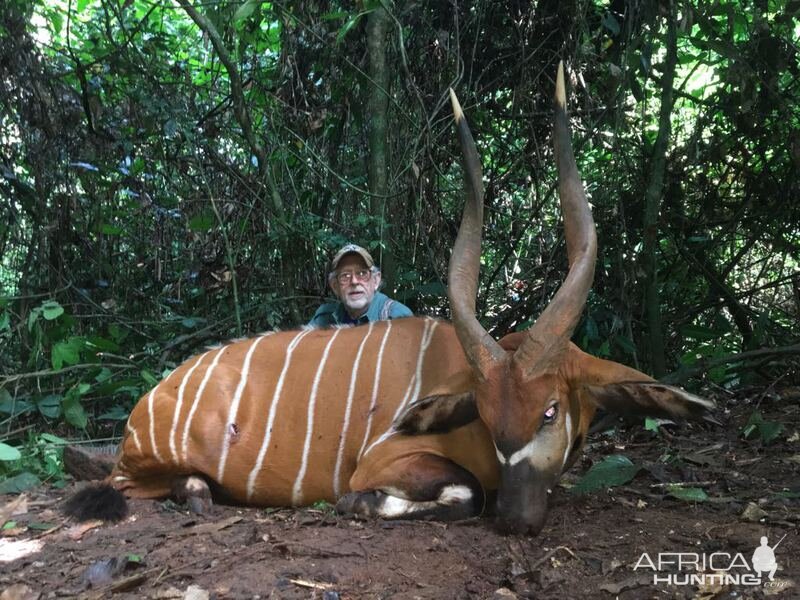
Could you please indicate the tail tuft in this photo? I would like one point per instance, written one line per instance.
(100, 501)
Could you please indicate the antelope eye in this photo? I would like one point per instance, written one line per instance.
(550, 414)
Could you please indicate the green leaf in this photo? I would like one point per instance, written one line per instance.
(149, 378)
(610, 23)
(246, 9)
(51, 310)
(11, 406)
(103, 344)
(351, 22)
(50, 406)
(80, 5)
(53, 439)
(68, 352)
(40, 526)
(74, 413)
(689, 494)
(108, 229)
(769, 431)
(134, 558)
(4, 321)
(8, 453)
(115, 413)
(18, 484)
(56, 22)
(651, 424)
(612, 471)
(202, 222)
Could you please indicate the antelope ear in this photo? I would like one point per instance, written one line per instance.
(438, 414)
(648, 398)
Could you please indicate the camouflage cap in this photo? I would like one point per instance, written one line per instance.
(352, 249)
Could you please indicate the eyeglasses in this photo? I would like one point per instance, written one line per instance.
(346, 276)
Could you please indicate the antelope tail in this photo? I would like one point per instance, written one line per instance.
(98, 501)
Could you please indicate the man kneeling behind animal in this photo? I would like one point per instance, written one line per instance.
(406, 418)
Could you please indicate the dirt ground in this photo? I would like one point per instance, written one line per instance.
(588, 549)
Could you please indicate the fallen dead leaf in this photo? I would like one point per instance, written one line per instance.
(13, 531)
(195, 592)
(19, 591)
(18, 506)
(205, 528)
(167, 594)
(76, 532)
(753, 513)
(311, 584)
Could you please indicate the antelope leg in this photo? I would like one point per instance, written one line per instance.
(420, 486)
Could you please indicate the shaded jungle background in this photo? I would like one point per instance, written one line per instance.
(173, 174)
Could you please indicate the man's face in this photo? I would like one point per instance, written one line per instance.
(354, 284)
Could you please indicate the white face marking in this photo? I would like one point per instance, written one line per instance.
(501, 459)
(538, 449)
(297, 490)
(535, 447)
(568, 427)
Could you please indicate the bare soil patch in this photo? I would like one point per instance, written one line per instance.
(588, 548)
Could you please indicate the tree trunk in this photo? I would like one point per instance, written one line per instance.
(377, 112)
(653, 197)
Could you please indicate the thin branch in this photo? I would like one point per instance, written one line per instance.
(709, 363)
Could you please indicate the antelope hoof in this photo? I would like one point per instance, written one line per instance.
(194, 491)
(358, 504)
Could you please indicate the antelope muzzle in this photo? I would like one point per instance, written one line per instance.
(522, 499)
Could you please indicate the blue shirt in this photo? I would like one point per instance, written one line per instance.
(380, 309)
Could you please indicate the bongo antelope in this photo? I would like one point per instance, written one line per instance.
(397, 419)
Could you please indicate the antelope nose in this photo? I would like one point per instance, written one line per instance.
(521, 500)
(507, 526)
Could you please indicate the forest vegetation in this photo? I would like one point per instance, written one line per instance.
(178, 173)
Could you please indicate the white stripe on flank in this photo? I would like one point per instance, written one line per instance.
(349, 406)
(375, 383)
(178, 406)
(196, 403)
(412, 392)
(135, 436)
(297, 490)
(234, 409)
(251, 479)
(150, 414)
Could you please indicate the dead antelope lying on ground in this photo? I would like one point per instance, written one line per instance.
(398, 419)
